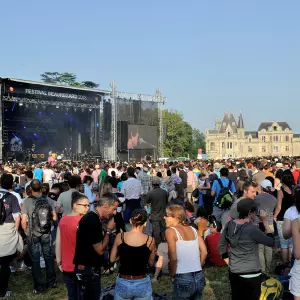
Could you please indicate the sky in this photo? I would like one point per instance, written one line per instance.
(207, 57)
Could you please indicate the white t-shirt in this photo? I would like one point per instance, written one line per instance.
(292, 213)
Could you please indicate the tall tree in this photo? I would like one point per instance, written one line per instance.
(69, 79)
(198, 143)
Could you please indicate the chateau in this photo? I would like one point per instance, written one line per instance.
(230, 139)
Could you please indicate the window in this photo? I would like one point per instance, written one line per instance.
(275, 138)
(228, 134)
(276, 149)
(274, 128)
(249, 149)
(263, 139)
(212, 146)
(287, 148)
(223, 145)
(250, 140)
(263, 149)
(229, 145)
(287, 138)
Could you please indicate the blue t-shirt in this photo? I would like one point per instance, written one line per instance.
(217, 188)
(38, 174)
(119, 185)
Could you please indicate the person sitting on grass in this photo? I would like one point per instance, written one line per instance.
(211, 242)
(201, 220)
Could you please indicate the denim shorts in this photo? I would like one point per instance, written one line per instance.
(140, 289)
(284, 244)
(188, 286)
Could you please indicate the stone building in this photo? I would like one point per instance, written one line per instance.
(230, 139)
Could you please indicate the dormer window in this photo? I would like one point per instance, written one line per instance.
(228, 134)
(275, 128)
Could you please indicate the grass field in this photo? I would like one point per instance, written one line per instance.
(217, 286)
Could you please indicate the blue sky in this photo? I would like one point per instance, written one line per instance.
(206, 56)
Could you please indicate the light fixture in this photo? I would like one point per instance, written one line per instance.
(57, 106)
(90, 109)
(20, 104)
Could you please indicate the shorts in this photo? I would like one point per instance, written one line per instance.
(295, 279)
(284, 244)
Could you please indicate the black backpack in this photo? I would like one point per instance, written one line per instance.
(41, 216)
(3, 196)
(225, 198)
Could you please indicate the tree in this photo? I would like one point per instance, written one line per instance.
(69, 79)
(198, 142)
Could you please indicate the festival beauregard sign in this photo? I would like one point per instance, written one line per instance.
(52, 93)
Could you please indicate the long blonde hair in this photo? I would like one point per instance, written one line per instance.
(106, 188)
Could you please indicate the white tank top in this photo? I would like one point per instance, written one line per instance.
(188, 254)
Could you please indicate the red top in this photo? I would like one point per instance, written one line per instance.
(211, 242)
(68, 229)
(296, 175)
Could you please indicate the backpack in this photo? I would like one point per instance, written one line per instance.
(225, 198)
(271, 289)
(3, 196)
(42, 216)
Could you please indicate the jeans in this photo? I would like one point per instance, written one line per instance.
(244, 288)
(34, 252)
(5, 273)
(265, 258)
(133, 289)
(158, 231)
(71, 283)
(88, 283)
(188, 286)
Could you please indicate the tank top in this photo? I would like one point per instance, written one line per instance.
(133, 260)
(287, 202)
(188, 254)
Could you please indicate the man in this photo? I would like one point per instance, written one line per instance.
(296, 172)
(267, 170)
(158, 199)
(10, 242)
(48, 175)
(112, 168)
(233, 174)
(183, 176)
(38, 173)
(259, 176)
(174, 179)
(37, 215)
(132, 191)
(65, 198)
(267, 203)
(139, 173)
(250, 191)
(91, 241)
(113, 180)
(103, 175)
(145, 181)
(219, 213)
(28, 178)
(87, 183)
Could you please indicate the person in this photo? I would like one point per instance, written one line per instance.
(201, 220)
(95, 174)
(145, 179)
(162, 264)
(249, 191)
(120, 183)
(187, 253)
(113, 180)
(259, 176)
(90, 246)
(136, 251)
(48, 175)
(296, 172)
(66, 241)
(192, 182)
(34, 210)
(220, 213)
(158, 199)
(243, 177)
(243, 238)
(132, 191)
(28, 178)
(65, 198)
(87, 182)
(205, 198)
(295, 271)
(102, 176)
(211, 242)
(183, 176)
(38, 173)
(10, 240)
(285, 200)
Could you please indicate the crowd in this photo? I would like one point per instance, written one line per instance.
(152, 220)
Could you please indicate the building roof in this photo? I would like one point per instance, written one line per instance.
(296, 135)
(266, 125)
(212, 131)
(240, 122)
(254, 134)
(228, 120)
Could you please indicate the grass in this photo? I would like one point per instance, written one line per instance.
(217, 286)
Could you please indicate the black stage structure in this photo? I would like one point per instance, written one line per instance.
(78, 123)
(38, 118)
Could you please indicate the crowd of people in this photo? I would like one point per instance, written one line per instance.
(151, 220)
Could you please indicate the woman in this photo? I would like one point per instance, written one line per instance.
(192, 182)
(187, 254)
(66, 242)
(243, 177)
(135, 251)
(277, 182)
(201, 220)
(285, 200)
(295, 271)
(205, 198)
(243, 238)
(123, 179)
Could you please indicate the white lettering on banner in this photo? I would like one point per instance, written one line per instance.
(54, 94)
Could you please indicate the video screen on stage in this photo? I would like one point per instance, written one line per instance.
(142, 137)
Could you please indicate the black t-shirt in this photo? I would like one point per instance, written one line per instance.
(159, 200)
(89, 232)
(53, 196)
(113, 181)
(11, 206)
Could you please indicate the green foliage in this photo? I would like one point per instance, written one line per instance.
(69, 79)
(181, 138)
